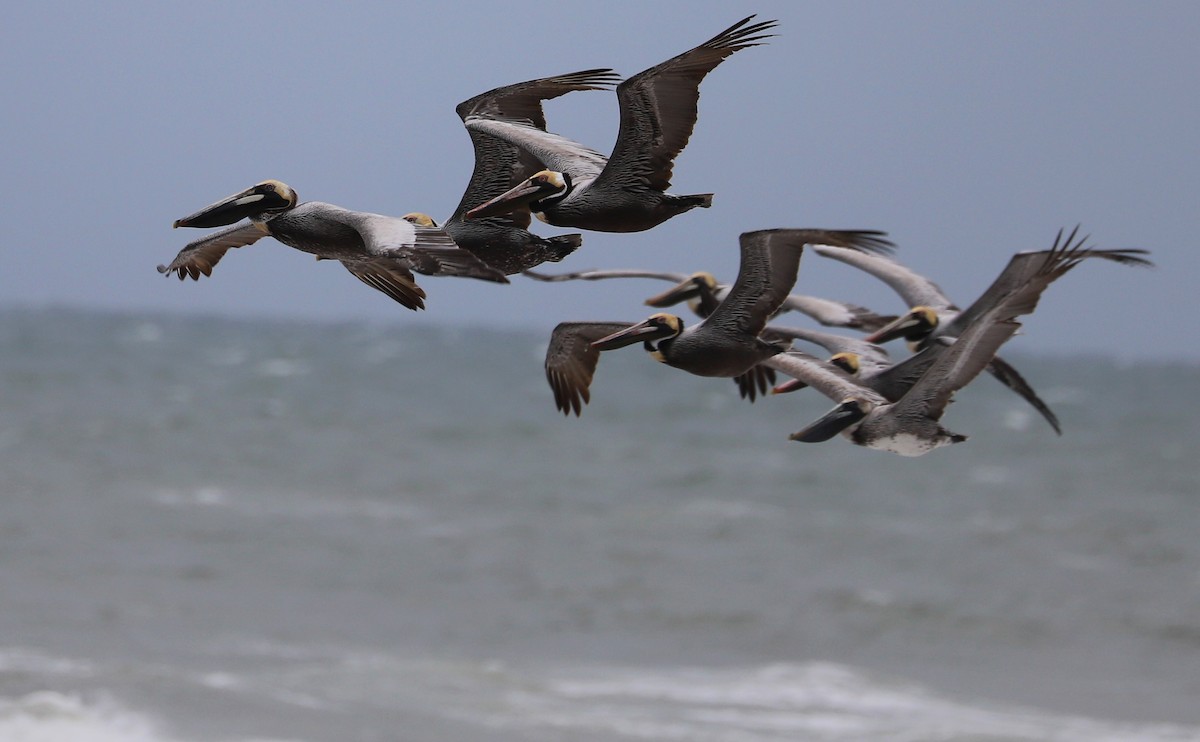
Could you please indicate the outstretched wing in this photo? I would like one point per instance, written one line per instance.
(914, 289)
(200, 256)
(1024, 265)
(554, 151)
(523, 100)
(833, 313)
(571, 361)
(770, 259)
(450, 261)
(658, 108)
(389, 276)
(500, 164)
(876, 355)
(995, 321)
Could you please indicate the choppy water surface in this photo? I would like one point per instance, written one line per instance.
(216, 530)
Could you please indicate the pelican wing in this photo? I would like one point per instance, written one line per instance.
(824, 377)
(914, 289)
(501, 165)
(1007, 375)
(832, 313)
(896, 380)
(832, 343)
(755, 382)
(450, 261)
(523, 100)
(770, 259)
(554, 151)
(976, 345)
(597, 275)
(200, 256)
(389, 276)
(1025, 265)
(658, 108)
(571, 361)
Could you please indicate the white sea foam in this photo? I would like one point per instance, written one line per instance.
(821, 702)
(46, 716)
(815, 702)
(56, 716)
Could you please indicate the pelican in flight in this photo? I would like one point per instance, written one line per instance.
(703, 294)
(726, 343)
(626, 192)
(503, 241)
(381, 251)
(899, 409)
(933, 315)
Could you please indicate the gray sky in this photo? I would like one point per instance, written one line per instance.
(968, 131)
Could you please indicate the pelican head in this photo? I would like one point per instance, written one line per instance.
(655, 327)
(259, 202)
(851, 363)
(418, 219)
(546, 184)
(852, 410)
(914, 326)
(848, 362)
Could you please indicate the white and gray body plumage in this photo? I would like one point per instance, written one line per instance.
(625, 192)
(381, 251)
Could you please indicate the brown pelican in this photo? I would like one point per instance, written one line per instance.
(902, 414)
(381, 251)
(627, 192)
(726, 343)
(932, 314)
(503, 240)
(703, 294)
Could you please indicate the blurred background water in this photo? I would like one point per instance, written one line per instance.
(222, 530)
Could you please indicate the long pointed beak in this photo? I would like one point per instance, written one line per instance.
(675, 294)
(834, 422)
(642, 331)
(894, 329)
(226, 211)
(791, 385)
(510, 200)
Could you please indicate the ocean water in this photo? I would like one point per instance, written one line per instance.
(224, 531)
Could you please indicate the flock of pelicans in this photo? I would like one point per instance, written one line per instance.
(521, 169)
